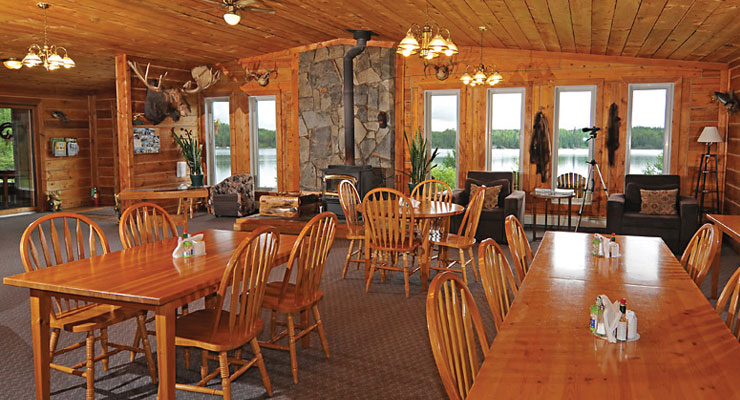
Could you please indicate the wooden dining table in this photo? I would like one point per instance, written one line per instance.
(544, 348)
(144, 277)
(427, 211)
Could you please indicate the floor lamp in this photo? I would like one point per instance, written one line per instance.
(709, 135)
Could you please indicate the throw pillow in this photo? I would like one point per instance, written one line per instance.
(490, 198)
(658, 202)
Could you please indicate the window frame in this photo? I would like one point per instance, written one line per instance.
(428, 121)
(211, 137)
(254, 139)
(556, 123)
(489, 122)
(669, 86)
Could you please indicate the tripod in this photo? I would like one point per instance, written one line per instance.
(593, 169)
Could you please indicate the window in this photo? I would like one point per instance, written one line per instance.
(506, 124)
(575, 108)
(218, 135)
(263, 139)
(649, 128)
(442, 110)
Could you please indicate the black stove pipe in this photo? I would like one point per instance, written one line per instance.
(362, 36)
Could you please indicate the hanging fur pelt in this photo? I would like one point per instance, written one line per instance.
(539, 148)
(612, 132)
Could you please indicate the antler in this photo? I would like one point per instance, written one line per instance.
(204, 78)
(145, 78)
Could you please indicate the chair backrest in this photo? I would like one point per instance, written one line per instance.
(518, 246)
(700, 252)
(145, 223)
(573, 180)
(308, 256)
(469, 224)
(729, 301)
(432, 190)
(498, 281)
(245, 279)
(349, 199)
(453, 321)
(389, 219)
(60, 245)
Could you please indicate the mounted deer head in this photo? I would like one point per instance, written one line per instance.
(262, 77)
(163, 102)
(441, 71)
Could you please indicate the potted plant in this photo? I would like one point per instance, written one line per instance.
(421, 160)
(192, 152)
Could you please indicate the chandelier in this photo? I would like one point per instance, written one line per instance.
(47, 55)
(481, 74)
(427, 41)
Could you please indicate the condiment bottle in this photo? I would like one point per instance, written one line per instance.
(622, 324)
(594, 309)
(600, 325)
(595, 246)
(187, 244)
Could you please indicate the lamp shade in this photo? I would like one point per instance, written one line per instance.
(710, 134)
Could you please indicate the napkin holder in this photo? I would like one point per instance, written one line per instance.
(611, 319)
(199, 246)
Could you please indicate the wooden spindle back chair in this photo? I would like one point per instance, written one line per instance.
(454, 322)
(145, 223)
(389, 222)
(729, 301)
(221, 330)
(498, 281)
(349, 199)
(61, 243)
(463, 241)
(306, 266)
(699, 254)
(574, 181)
(518, 246)
(432, 190)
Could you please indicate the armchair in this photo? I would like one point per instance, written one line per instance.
(623, 212)
(511, 202)
(233, 197)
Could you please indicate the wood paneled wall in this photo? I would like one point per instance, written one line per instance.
(732, 156)
(540, 73)
(70, 176)
(105, 146)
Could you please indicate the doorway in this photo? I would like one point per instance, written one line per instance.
(218, 139)
(17, 178)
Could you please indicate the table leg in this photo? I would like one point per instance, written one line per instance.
(560, 202)
(570, 200)
(367, 254)
(547, 206)
(40, 308)
(426, 257)
(534, 218)
(165, 323)
(715, 267)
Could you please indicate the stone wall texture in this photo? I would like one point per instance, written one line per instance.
(321, 111)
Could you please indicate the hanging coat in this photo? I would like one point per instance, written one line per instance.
(612, 131)
(539, 148)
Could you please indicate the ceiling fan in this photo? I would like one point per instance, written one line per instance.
(232, 16)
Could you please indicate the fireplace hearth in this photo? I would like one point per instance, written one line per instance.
(365, 178)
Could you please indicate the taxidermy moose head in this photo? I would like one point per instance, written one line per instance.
(263, 77)
(441, 71)
(163, 102)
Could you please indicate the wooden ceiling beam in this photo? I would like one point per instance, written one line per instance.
(601, 25)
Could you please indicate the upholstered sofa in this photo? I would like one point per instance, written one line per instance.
(233, 197)
(511, 202)
(623, 212)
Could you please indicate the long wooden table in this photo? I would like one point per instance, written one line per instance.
(125, 197)
(144, 277)
(730, 226)
(545, 350)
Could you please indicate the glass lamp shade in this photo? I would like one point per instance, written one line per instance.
(68, 62)
(232, 18)
(479, 76)
(409, 43)
(55, 60)
(710, 134)
(466, 78)
(31, 59)
(12, 63)
(438, 44)
(451, 49)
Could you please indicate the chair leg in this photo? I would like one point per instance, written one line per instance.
(462, 266)
(349, 257)
(305, 320)
(476, 269)
(360, 252)
(223, 364)
(291, 338)
(406, 274)
(137, 339)
(141, 321)
(370, 276)
(53, 343)
(104, 347)
(203, 364)
(90, 372)
(186, 352)
(273, 323)
(320, 327)
(261, 366)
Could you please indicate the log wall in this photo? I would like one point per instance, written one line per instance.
(732, 182)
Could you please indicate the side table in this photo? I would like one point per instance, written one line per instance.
(548, 198)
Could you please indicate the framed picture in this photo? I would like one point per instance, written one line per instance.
(146, 141)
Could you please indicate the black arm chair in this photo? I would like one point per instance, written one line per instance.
(623, 212)
(511, 202)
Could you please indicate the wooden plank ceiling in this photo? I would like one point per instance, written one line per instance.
(190, 32)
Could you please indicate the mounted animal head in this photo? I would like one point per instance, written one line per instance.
(163, 102)
(441, 71)
(729, 100)
(262, 77)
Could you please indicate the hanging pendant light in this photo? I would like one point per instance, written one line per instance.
(46, 54)
(480, 74)
(427, 41)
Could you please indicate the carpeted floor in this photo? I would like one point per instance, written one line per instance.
(378, 341)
